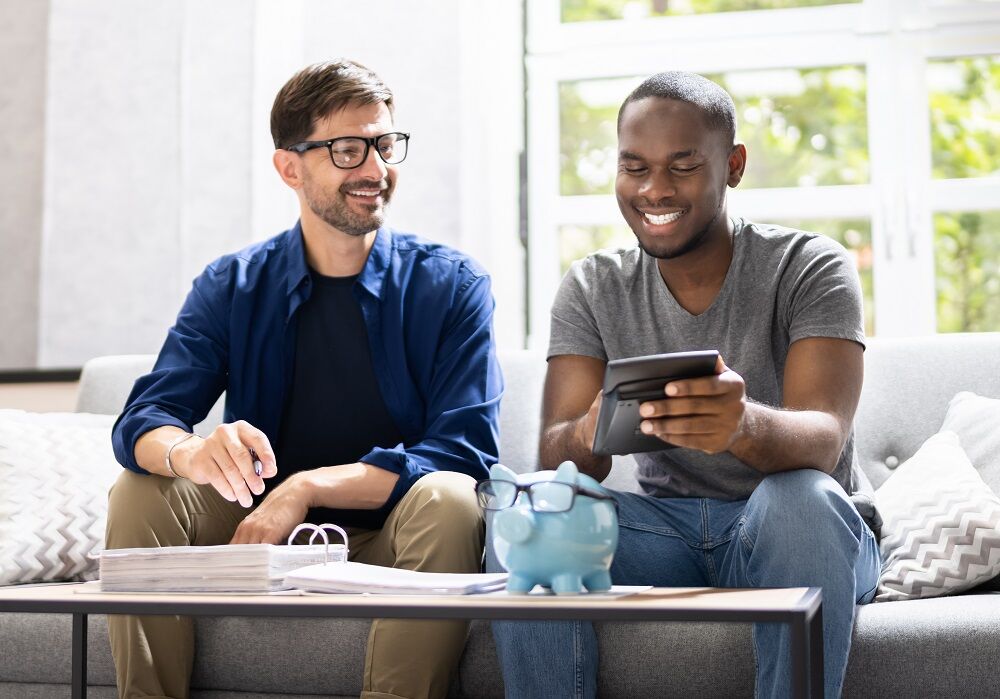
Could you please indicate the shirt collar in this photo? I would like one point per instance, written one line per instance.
(371, 275)
(298, 270)
(377, 265)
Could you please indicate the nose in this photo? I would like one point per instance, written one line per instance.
(373, 167)
(658, 184)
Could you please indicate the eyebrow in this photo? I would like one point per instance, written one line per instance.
(676, 155)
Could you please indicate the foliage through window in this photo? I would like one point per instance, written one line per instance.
(590, 10)
(967, 266)
(965, 116)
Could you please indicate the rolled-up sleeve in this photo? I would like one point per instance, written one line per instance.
(189, 374)
(462, 401)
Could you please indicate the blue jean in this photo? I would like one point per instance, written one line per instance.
(797, 529)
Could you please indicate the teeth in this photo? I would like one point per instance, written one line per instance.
(366, 193)
(664, 219)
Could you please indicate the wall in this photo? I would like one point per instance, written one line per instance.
(23, 36)
(156, 151)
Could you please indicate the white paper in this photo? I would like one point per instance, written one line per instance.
(363, 578)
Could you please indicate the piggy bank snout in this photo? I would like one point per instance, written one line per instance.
(514, 525)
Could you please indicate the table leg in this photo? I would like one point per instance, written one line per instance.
(816, 653)
(79, 656)
(800, 656)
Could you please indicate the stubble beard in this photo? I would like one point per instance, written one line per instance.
(692, 243)
(334, 209)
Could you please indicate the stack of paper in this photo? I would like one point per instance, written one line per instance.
(360, 577)
(230, 568)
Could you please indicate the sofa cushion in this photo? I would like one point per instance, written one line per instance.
(56, 469)
(941, 529)
(976, 421)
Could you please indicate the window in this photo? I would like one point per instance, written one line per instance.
(589, 10)
(873, 122)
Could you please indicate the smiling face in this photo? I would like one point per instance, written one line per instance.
(673, 170)
(351, 201)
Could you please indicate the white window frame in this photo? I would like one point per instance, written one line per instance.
(891, 39)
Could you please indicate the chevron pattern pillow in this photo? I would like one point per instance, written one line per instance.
(55, 472)
(941, 524)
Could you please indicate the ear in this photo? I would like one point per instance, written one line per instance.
(501, 472)
(289, 166)
(737, 164)
(567, 472)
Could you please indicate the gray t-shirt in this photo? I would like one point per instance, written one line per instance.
(782, 285)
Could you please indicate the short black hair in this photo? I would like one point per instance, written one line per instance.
(715, 103)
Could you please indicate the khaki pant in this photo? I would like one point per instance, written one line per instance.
(436, 527)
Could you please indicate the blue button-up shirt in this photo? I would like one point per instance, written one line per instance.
(428, 310)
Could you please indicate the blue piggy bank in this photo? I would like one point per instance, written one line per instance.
(538, 544)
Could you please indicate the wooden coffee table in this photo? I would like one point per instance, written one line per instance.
(800, 608)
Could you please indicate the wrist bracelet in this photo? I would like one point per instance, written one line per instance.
(170, 468)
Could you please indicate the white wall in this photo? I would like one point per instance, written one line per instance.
(157, 151)
(23, 34)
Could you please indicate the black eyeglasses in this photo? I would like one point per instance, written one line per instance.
(349, 152)
(546, 496)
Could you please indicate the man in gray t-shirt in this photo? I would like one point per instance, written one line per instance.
(756, 492)
(781, 286)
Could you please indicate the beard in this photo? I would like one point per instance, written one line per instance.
(691, 244)
(337, 211)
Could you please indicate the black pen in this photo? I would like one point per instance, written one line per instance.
(258, 467)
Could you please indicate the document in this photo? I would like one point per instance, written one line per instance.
(229, 568)
(361, 577)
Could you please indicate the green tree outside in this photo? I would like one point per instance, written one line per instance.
(965, 141)
(590, 10)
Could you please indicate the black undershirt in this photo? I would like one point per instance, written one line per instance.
(334, 412)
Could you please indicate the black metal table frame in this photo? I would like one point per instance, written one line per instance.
(805, 619)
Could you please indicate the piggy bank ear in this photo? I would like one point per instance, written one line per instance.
(567, 472)
(501, 472)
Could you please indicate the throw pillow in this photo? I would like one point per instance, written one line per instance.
(55, 471)
(976, 421)
(941, 524)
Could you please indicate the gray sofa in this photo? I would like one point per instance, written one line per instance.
(945, 647)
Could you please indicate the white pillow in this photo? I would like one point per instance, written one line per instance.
(976, 421)
(55, 472)
(941, 524)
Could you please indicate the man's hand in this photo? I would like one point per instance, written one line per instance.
(223, 460)
(706, 413)
(275, 518)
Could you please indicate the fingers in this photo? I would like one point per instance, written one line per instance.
(256, 440)
(235, 476)
(703, 413)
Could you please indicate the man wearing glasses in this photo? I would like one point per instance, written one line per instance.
(361, 387)
(753, 484)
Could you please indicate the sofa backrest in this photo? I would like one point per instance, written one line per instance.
(908, 383)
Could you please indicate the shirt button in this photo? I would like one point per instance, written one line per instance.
(891, 462)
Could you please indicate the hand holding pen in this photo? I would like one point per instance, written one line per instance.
(234, 459)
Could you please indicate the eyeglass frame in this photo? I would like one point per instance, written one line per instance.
(526, 488)
(303, 146)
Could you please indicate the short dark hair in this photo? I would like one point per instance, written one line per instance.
(319, 90)
(715, 103)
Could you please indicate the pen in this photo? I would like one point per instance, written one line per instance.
(258, 467)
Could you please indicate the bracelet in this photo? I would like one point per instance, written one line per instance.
(170, 469)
